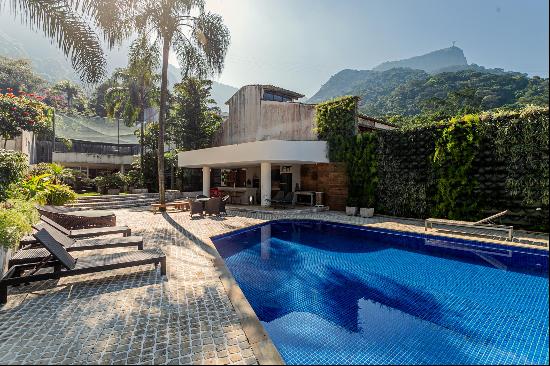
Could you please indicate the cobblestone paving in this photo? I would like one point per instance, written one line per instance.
(133, 316)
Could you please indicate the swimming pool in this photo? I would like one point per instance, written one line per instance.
(341, 294)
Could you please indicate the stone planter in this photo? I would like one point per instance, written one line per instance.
(139, 190)
(113, 191)
(366, 212)
(351, 211)
(172, 194)
(5, 256)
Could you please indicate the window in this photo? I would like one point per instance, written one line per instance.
(276, 97)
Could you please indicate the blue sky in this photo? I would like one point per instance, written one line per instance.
(299, 44)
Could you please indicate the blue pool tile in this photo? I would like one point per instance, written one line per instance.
(338, 294)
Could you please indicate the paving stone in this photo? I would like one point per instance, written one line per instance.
(136, 315)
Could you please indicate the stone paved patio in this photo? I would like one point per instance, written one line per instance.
(135, 315)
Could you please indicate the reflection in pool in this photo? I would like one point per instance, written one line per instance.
(330, 293)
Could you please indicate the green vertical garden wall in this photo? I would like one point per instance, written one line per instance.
(465, 168)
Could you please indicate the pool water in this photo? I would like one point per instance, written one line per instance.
(340, 294)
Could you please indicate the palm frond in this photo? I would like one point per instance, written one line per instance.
(59, 22)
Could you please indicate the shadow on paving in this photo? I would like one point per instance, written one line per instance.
(195, 239)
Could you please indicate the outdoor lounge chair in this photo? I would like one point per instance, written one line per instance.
(484, 227)
(288, 200)
(196, 208)
(64, 265)
(91, 232)
(75, 234)
(78, 219)
(277, 198)
(36, 252)
(212, 206)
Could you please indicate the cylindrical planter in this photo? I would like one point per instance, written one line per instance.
(351, 211)
(366, 212)
(113, 191)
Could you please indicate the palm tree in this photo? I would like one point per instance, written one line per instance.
(135, 87)
(199, 38)
(63, 22)
(70, 89)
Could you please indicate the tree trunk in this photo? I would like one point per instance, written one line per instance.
(162, 114)
(141, 140)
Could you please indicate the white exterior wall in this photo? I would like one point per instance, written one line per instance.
(23, 143)
(253, 119)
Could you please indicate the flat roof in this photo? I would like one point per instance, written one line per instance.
(254, 153)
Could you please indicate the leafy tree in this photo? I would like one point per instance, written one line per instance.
(18, 75)
(13, 167)
(451, 94)
(135, 88)
(199, 38)
(192, 123)
(70, 91)
(22, 113)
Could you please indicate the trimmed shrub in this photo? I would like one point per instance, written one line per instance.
(16, 218)
(13, 167)
(57, 195)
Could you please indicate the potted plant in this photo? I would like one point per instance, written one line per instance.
(112, 183)
(351, 206)
(367, 208)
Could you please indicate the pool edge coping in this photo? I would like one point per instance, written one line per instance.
(264, 349)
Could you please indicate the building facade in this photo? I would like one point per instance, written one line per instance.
(268, 144)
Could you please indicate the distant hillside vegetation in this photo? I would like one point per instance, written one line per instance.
(370, 85)
(430, 62)
(457, 91)
(441, 81)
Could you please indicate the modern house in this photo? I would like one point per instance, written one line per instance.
(269, 144)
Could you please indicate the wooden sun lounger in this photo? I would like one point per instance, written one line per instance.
(64, 265)
(482, 227)
(88, 233)
(35, 252)
(78, 219)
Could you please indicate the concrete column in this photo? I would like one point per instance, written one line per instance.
(206, 181)
(122, 168)
(265, 183)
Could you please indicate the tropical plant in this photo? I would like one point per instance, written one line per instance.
(18, 75)
(13, 167)
(135, 87)
(453, 159)
(335, 123)
(23, 112)
(65, 23)
(16, 218)
(70, 90)
(57, 195)
(199, 38)
(110, 181)
(192, 123)
(58, 173)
